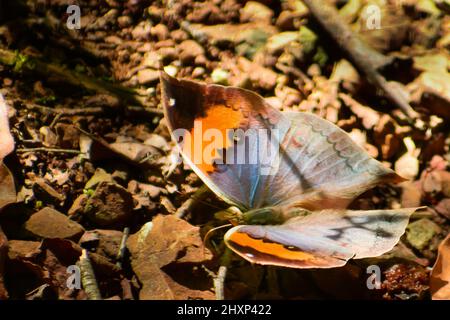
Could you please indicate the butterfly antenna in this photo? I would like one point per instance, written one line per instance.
(208, 234)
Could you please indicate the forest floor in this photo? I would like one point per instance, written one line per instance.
(93, 157)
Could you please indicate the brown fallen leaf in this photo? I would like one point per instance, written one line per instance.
(43, 263)
(368, 116)
(436, 181)
(50, 224)
(443, 207)
(440, 275)
(7, 187)
(162, 252)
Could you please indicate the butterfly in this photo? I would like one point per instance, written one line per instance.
(288, 206)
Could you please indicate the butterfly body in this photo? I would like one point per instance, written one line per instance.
(288, 177)
(261, 216)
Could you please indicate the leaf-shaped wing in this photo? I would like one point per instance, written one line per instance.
(311, 162)
(194, 110)
(321, 167)
(322, 239)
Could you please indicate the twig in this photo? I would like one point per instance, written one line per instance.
(201, 193)
(89, 111)
(45, 149)
(21, 62)
(295, 72)
(366, 59)
(123, 247)
(88, 277)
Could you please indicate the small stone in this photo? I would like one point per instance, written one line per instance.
(189, 50)
(443, 207)
(124, 21)
(260, 76)
(407, 166)
(23, 249)
(110, 206)
(114, 40)
(142, 31)
(220, 76)
(77, 208)
(147, 76)
(100, 175)
(106, 242)
(169, 43)
(50, 224)
(198, 72)
(168, 53)
(171, 70)
(48, 137)
(436, 181)
(160, 31)
(420, 233)
(68, 136)
(179, 35)
(279, 41)
(46, 192)
(285, 20)
(256, 12)
(151, 60)
(411, 195)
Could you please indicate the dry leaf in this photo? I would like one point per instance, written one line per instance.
(7, 187)
(440, 275)
(157, 251)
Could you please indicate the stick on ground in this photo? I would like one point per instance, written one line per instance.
(367, 60)
(88, 277)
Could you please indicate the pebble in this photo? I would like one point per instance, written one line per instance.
(142, 31)
(160, 31)
(124, 21)
(147, 76)
(50, 224)
(189, 50)
(256, 12)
